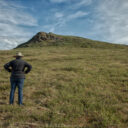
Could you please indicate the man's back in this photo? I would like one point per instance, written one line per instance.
(18, 68)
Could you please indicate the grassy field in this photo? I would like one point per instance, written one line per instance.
(68, 87)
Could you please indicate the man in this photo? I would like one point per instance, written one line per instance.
(18, 69)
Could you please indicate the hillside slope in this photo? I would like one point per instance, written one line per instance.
(42, 39)
(68, 87)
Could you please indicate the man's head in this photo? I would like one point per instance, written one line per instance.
(18, 55)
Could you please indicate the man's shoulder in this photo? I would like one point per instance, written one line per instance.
(23, 61)
(12, 61)
(17, 60)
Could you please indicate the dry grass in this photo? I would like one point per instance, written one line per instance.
(68, 87)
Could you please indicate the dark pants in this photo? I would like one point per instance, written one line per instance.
(16, 82)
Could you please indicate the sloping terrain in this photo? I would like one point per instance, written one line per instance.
(68, 87)
(42, 39)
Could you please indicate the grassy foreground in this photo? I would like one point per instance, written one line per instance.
(68, 87)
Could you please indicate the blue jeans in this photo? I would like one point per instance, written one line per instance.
(20, 83)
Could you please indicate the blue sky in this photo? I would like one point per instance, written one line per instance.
(104, 20)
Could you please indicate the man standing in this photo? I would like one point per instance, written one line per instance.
(18, 69)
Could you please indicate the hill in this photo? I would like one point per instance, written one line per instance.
(68, 87)
(42, 39)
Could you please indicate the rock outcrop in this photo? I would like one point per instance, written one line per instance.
(43, 36)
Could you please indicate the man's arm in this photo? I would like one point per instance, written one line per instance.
(7, 67)
(29, 67)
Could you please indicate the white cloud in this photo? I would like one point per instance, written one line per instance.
(62, 18)
(71, 12)
(10, 42)
(12, 30)
(58, 15)
(111, 21)
(13, 14)
(81, 3)
(59, 1)
(12, 18)
(74, 3)
(77, 15)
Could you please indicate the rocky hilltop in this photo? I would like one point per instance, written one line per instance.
(43, 36)
(42, 39)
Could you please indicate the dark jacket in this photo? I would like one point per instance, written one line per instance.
(18, 68)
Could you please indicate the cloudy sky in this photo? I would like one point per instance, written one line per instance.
(104, 20)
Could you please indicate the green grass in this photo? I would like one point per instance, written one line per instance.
(68, 87)
(61, 40)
